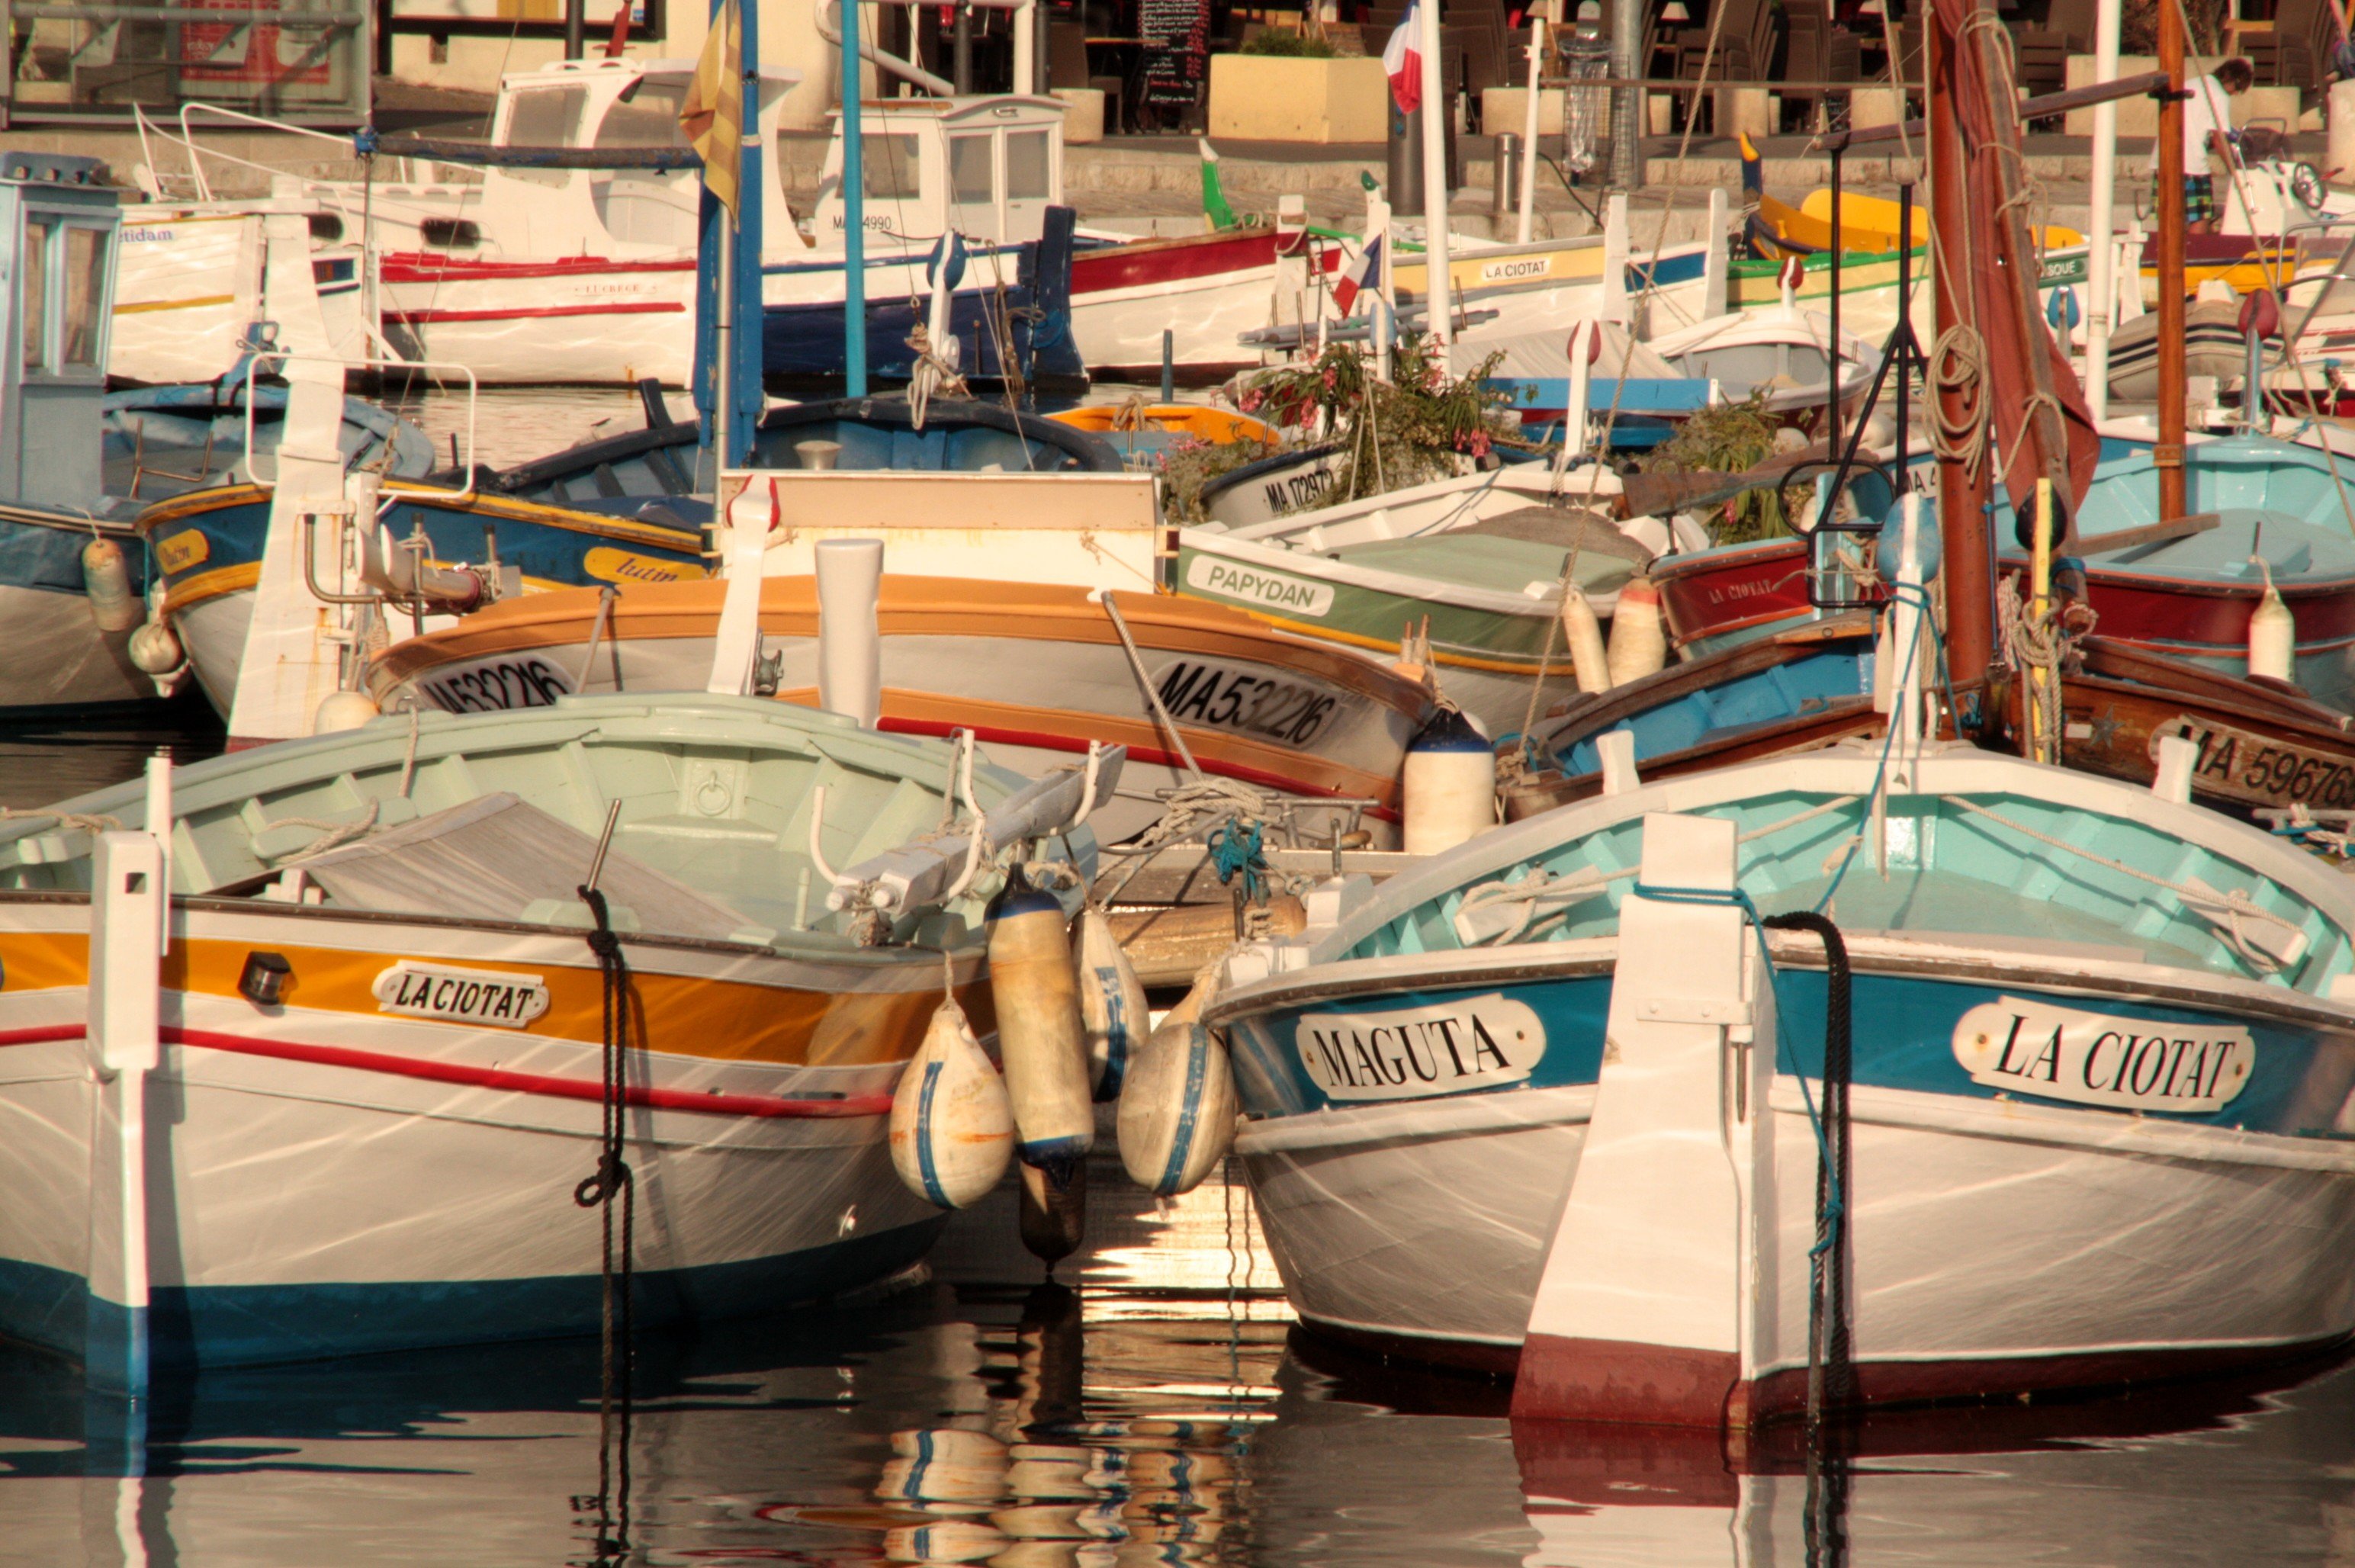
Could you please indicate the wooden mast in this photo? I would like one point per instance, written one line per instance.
(1968, 572)
(2167, 457)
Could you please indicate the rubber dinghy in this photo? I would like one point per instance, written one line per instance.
(2087, 1127)
(384, 1038)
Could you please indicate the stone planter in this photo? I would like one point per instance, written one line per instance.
(1283, 98)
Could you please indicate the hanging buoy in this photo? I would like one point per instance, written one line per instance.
(952, 1126)
(1040, 1036)
(107, 580)
(1177, 1109)
(1639, 645)
(1449, 784)
(1111, 1004)
(155, 648)
(1584, 634)
(342, 710)
(2272, 633)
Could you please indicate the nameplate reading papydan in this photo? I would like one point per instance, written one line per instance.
(2092, 1059)
(1270, 590)
(461, 996)
(1479, 1042)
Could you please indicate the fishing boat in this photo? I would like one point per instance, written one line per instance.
(2184, 588)
(1448, 1162)
(202, 281)
(1481, 556)
(1637, 394)
(166, 441)
(1793, 361)
(392, 1053)
(1035, 671)
(1142, 433)
(658, 473)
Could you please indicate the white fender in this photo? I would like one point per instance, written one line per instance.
(952, 1125)
(2272, 633)
(107, 580)
(1111, 1004)
(1639, 643)
(1040, 1036)
(1449, 784)
(1177, 1109)
(155, 648)
(1584, 634)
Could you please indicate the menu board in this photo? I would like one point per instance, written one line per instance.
(1176, 35)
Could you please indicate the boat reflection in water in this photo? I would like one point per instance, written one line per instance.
(1146, 1416)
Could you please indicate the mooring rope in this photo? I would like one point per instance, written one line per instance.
(596, 1191)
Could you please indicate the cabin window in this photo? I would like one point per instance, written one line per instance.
(888, 169)
(1027, 175)
(36, 311)
(546, 117)
(645, 115)
(82, 339)
(970, 177)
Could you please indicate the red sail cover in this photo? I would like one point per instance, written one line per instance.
(2003, 294)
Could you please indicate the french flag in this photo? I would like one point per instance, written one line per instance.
(1403, 61)
(1365, 272)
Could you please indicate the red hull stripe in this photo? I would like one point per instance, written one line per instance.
(435, 317)
(416, 268)
(1162, 263)
(650, 1096)
(1046, 742)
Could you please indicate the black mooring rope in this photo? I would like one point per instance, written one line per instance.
(1831, 1370)
(598, 1190)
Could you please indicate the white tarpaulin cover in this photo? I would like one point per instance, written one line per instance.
(1538, 355)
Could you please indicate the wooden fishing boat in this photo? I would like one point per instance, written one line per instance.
(2185, 590)
(384, 1044)
(1481, 557)
(1035, 671)
(1476, 1204)
(167, 440)
(211, 547)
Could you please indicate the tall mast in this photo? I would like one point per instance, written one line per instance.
(2167, 457)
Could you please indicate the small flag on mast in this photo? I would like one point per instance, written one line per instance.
(1365, 272)
(1403, 61)
(713, 116)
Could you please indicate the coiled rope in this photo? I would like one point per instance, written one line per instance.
(1957, 368)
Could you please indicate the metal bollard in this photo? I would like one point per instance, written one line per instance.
(1505, 183)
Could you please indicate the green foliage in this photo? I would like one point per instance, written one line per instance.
(1727, 440)
(1409, 430)
(1285, 42)
(1191, 464)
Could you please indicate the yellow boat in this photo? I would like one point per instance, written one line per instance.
(1219, 427)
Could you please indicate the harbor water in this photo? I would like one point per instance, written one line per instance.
(1152, 1402)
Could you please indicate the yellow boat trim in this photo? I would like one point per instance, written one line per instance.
(680, 1015)
(205, 303)
(198, 504)
(193, 591)
(1445, 655)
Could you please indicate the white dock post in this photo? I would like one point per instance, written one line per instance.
(850, 641)
(1663, 1257)
(159, 825)
(127, 886)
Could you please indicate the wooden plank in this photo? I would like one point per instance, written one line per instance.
(2167, 532)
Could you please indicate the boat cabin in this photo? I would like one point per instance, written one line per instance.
(988, 167)
(58, 223)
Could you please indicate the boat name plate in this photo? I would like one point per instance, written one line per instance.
(494, 684)
(1259, 588)
(492, 997)
(1245, 700)
(2239, 764)
(1472, 1042)
(2094, 1059)
(177, 552)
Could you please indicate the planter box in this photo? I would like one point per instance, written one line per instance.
(2139, 116)
(1280, 98)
